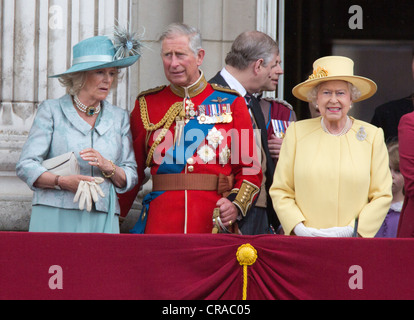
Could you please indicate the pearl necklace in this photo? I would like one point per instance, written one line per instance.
(90, 111)
(344, 131)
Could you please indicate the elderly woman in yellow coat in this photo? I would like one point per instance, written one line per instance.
(332, 178)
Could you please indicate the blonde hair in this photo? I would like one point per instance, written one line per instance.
(394, 155)
(74, 82)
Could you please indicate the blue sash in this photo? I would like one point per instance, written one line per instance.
(176, 158)
(139, 227)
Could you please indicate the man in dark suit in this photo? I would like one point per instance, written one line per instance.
(253, 66)
(388, 115)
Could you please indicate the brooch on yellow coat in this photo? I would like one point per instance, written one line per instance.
(361, 134)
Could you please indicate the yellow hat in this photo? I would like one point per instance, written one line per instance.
(335, 68)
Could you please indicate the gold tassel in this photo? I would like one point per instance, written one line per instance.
(246, 256)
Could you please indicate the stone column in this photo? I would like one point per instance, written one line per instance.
(19, 98)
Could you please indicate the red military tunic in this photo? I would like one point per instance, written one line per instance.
(216, 138)
(406, 141)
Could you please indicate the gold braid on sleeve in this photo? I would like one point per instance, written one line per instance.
(245, 196)
(166, 121)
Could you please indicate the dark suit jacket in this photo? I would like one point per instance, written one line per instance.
(388, 115)
(270, 167)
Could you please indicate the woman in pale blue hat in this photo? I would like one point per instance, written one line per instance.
(88, 132)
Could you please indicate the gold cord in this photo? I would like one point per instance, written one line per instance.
(166, 121)
(247, 256)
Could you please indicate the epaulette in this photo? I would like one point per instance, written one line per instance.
(218, 87)
(284, 102)
(151, 91)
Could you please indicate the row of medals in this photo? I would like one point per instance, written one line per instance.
(217, 113)
(215, 116)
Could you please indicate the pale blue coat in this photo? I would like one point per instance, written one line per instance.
(58, 129)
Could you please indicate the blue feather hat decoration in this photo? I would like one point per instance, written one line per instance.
(126, 43)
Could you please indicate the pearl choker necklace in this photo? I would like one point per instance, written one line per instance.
(344, 131)
(90, 111)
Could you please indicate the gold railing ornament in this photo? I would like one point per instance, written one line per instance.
(246, 256)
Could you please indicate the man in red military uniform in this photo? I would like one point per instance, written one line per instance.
(198, 141)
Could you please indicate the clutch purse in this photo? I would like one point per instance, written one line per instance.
(63, 165)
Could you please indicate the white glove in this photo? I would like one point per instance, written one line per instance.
(337, 232)
(301, 231)
(83, 195)
(95, 189)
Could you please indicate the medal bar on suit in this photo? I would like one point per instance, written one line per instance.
(214, 113)
(280, 127)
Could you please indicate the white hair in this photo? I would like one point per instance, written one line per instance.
(313, 94)
(181, 29)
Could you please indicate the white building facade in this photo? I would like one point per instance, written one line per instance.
(36, 40)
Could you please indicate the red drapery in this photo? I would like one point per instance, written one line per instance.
(203, 267)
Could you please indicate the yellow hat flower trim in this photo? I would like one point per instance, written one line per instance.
(319, 73)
